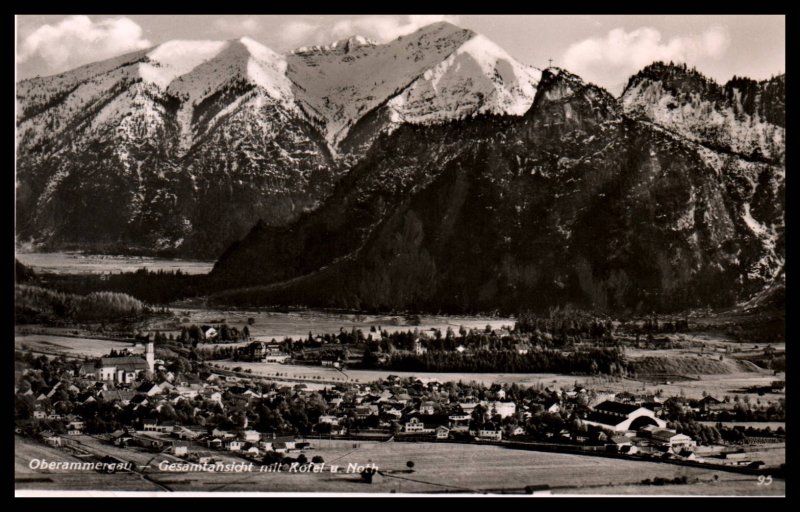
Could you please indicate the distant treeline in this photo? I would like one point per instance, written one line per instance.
(590, 361)
(33, 304)
(153, 287)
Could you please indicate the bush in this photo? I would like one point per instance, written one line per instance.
(272, 457)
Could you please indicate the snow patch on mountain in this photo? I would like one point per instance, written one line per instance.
(756, 227)
(338, 85)
(479, 77)
(172, 59)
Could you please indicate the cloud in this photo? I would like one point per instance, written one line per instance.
(238, 27)
(78, 40)
(612, 59)
(378, 28)
(296, 32)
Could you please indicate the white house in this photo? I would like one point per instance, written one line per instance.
(416, 426)
(673, 440)
(504, 409)
(329, 419)
(427, 408)
(234, 445)
(252, 436)
(490, 432)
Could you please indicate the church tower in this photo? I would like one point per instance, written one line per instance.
(150, 357)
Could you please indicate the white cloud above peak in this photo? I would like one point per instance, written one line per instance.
(78, 40)
(604, 60)
(381, 28)
(238, 27)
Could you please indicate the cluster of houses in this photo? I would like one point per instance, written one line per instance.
(182, 441)
(625, 422)
(263, 352)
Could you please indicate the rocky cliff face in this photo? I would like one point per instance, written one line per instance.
(743, 117)
(575, 202)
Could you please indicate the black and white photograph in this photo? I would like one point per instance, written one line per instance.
(399, 255)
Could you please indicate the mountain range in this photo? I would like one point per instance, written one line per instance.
(433, 172)
(178, 148)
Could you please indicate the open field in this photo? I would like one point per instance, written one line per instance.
(755, 424)
(279, 325)
(26, 478)
(716, 385)
(69, 346)
(77, 263)
(742, 486)
(437, 468)
(327, 373)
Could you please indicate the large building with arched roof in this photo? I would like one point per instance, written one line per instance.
(621, 417)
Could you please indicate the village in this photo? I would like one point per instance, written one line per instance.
(191, 411)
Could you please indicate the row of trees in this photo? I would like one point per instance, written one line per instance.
(590, 361)
(225, 333)
(33, 304)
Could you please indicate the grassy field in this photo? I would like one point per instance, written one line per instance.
(438, 468)
(716, 385)
(26, 478)
(69, 346)
(742, 486)
(310, 372)
(77, 263)
(279, 325)
(72, 346)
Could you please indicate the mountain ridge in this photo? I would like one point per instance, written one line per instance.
(175, 97)
(452, 178)
(540, 189)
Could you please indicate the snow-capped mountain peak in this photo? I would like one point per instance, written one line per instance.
(478, 77)
(438, 73)
(346, 45)
(243, 59)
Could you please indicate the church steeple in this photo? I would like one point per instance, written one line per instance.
(150, 357)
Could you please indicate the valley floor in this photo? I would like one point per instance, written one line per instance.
(438, 468)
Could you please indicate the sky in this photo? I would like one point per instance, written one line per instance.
(603, 49)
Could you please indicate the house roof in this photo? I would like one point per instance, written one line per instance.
(118, 394)
(604, 418)
(124, 360)
(616, 408)
(665, 435)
